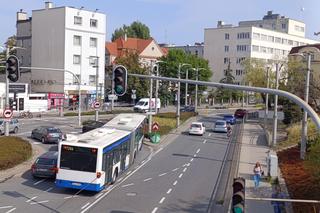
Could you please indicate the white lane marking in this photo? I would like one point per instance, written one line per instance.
(180, 175)
(49, 189)
(130, 184)
(99, 195)
(85, 205)
(154, 210)
(209, 134)
(185, 169)
(143, 161)
(162, 174)
(168, 192)
(40, 181)
(175, 169)
(31, 199)
(195, 155)
(205, 141)
(38, 202)
(198, 151)
(11, 210)
(36, 143)
(158, 150)
(175, 183)
(120, 179)
(5, 207)
(70, 196)
(191, 159)
(145, 180)
(129, 172)
(162, 199)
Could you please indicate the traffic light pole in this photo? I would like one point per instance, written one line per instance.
(6, 123)
(97, 87)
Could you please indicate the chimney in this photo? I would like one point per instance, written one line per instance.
(220, 24)
(48, 5)
(21, 16)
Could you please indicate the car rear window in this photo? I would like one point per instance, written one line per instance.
(53, 130)
(46, 161)
(220, 123)
(195, 126)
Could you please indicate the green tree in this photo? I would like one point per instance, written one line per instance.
(135, 30)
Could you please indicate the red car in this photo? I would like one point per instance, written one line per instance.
(240, 113)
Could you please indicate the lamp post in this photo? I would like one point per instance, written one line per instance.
(196, 95)
(275, 114)
(157, 84)
(267, 100)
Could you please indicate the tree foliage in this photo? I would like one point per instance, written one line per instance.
(135, 30)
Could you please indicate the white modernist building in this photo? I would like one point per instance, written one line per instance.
(270, 38)
(65, 38)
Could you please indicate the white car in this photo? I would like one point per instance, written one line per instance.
(197, 128)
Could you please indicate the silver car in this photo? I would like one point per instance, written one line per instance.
(220, 126)
(13, 126)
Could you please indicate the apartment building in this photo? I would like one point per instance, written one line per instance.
(66, 38)
(197, 49)
(271, 38)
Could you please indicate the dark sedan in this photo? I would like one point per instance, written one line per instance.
(90, 125)
(47, 134)
(187, 109)
(45, 165)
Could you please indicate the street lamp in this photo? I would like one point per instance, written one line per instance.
(157, 83)
(267, 100)
(196, 95)
(304, 130)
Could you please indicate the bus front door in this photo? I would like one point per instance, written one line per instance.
(108, 165)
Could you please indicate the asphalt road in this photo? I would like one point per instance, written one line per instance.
(178, 177)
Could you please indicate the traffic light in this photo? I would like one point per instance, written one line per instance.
(120, 80)
(238, 197)
(13, 68)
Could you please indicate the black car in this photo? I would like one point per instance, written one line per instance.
(48, 134)
(45, 165)
(90, 125)
(188, 109)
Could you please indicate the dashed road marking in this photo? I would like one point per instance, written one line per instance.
(162, 199)
(36, 143)
(209, 134)
(68, 197)
(85, 205)
(180, 175)
(195, 155)
(145, 180)
(11, 210)
(99, 195)
(185, 169)
(31, 199)
(5, 207)
(38, 202)
(158, 150)
(162, 174)
(175, 169)
(175, 183)
(198, 151)
(154, 210)
(191, 159)
(40, 181)
(130, 184)
(49, 189)
(205, 141)
(169, 191)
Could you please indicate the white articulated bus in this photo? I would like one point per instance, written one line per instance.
(96, 158)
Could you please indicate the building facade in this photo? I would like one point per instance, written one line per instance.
(71, 40)
(197, 49)
(270, 39)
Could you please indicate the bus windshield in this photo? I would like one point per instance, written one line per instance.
(78, 158)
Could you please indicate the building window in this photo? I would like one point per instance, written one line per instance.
(284, 26)
(269, 50)
(226, 60)
(239, 72)
(75, 81)
(299, 28)
(76, 59)
(78, 20)
(284, 41)
(226, 36)
(264, 37)
(240, 60)
(77, 40)
(226, 48)
(93, 42)
(256, 36)
(93, 61)
(243, 35)
(196, 52)
(290, 42)
(94, 23)
(242, 48)
(255, 48)
(263, 49)
(92, 80)
(271, 38)
(278, 40)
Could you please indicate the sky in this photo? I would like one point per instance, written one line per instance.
(178, 22)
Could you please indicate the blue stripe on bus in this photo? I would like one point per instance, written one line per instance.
(79, 185)
(122, 140)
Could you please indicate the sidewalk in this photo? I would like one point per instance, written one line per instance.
(254, 148)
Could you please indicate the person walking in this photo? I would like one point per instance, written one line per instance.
(278, 206)
(257, 172)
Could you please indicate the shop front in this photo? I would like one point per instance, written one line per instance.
(55, 100)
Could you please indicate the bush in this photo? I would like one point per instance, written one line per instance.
(13, 151)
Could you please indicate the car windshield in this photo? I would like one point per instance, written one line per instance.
(53, 130)
(140, 103)
(45, 161)
(1, 122)
(228, 116)
(220, 123)
(195, 126)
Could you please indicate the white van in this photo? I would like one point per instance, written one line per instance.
(143, 105)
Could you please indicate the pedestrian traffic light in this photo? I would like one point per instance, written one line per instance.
(120, 80)
(238, 196)
(13, 68)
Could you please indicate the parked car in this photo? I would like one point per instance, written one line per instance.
(45, 165)
(197, 128)
(230, 119)
(240, 113)
(187, 109)
(90, 125)
(48, 134)
(13, 126)
(220, 126)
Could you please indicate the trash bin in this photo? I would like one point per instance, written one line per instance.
(155, 137)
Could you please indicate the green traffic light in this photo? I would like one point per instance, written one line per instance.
(119, 89)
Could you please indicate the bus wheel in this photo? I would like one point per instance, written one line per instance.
(115, 176)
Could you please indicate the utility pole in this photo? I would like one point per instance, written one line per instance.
(267, 101)
(96, 117)
(6, 123)
(178, 98)
(157, 88)
(196, 95)
(275, 114)
(186, 92)
(304, 132)
(150, 100)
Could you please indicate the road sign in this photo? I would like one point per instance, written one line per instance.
(155, 126)
(133, 96)
(96, 105)
(7, 113)
(114, 97)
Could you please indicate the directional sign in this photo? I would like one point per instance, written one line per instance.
(7, 113)
(96, 105)
(155, 126)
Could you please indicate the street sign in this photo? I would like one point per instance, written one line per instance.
(155, 126)
(96, 105)
(7, 113)
(133, 96)
(114, 97)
